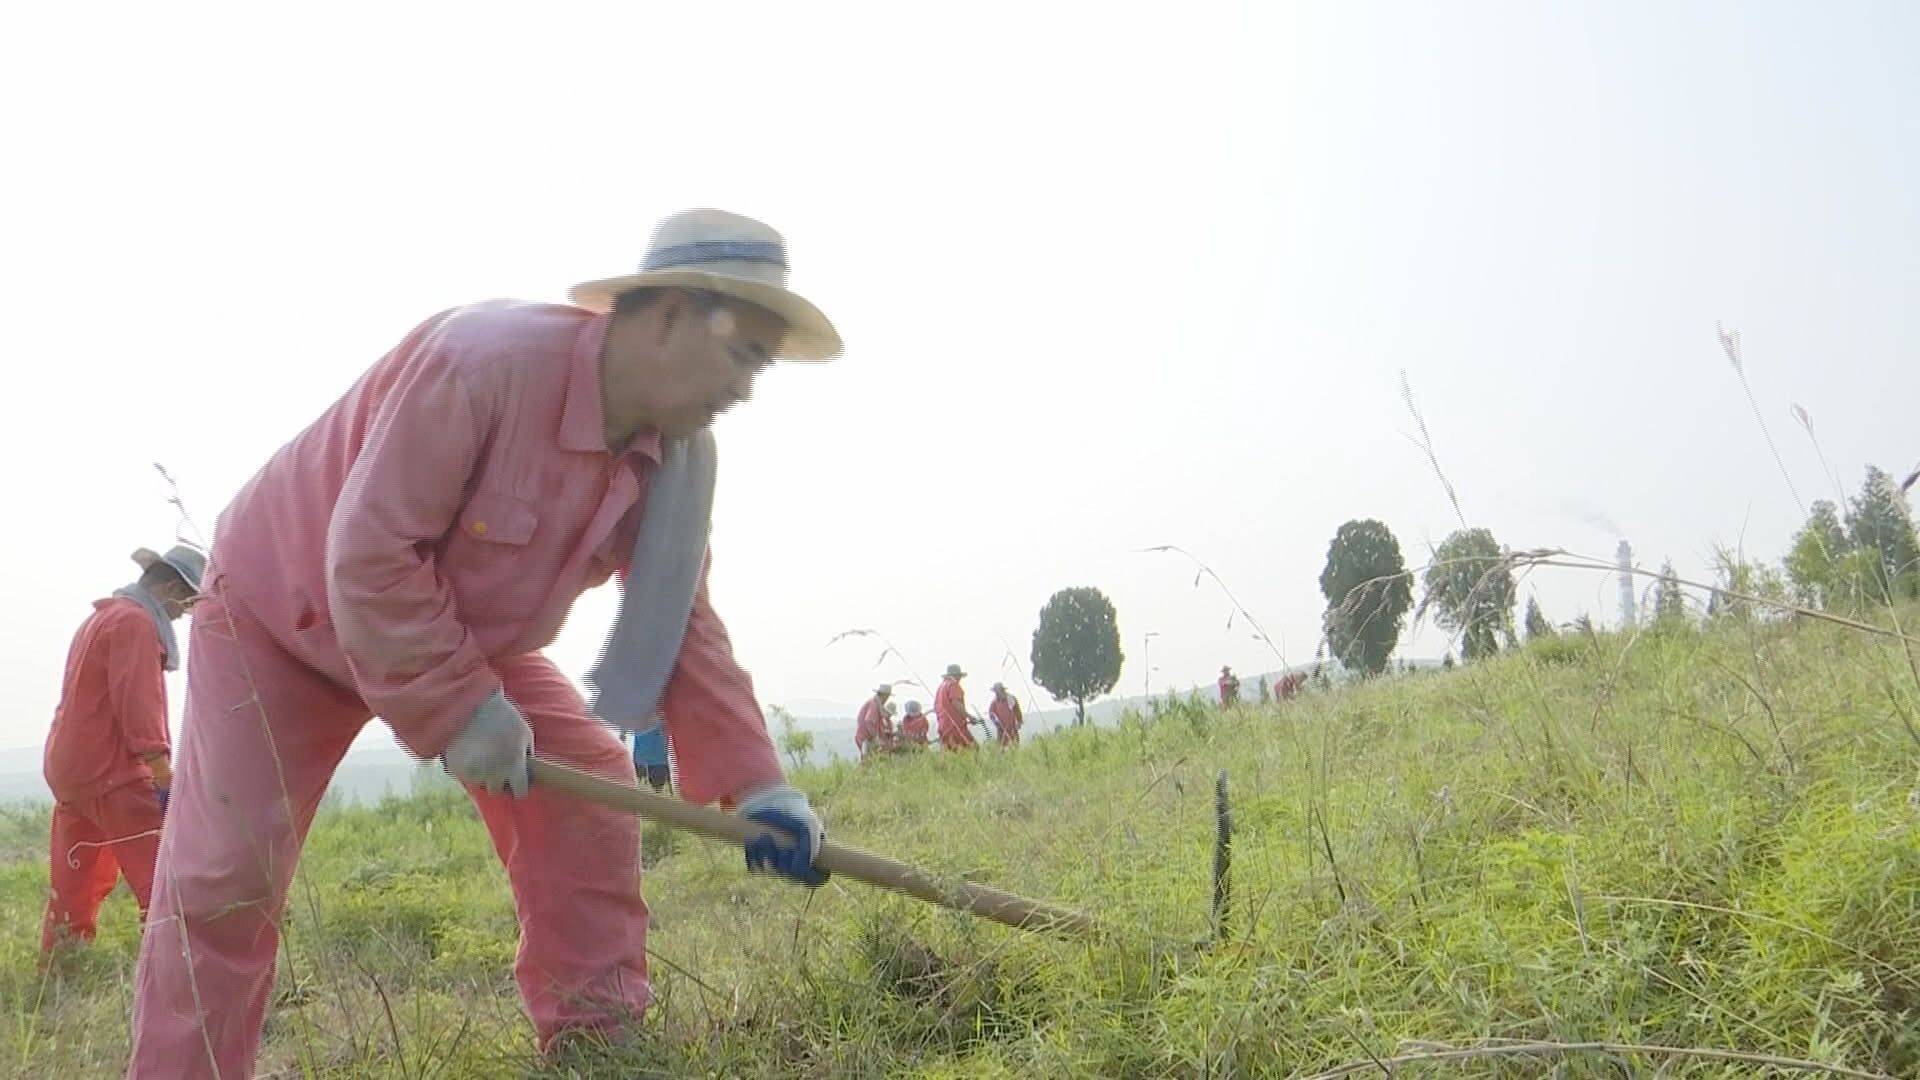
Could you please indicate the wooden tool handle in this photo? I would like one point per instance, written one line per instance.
(981, 900)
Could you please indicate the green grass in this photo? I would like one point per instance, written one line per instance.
(1691, 840)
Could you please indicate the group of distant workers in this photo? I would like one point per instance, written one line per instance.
(875, 733)
(1285, 690)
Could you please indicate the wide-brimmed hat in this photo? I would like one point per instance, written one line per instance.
(188, 562)
(884, 688)
(718, 252)
(954, 672)
(997, 687)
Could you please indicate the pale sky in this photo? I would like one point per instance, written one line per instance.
(1109, 276)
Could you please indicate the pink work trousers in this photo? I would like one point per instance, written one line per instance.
(262, 736)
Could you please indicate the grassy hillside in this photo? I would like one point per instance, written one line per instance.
(1696, 841)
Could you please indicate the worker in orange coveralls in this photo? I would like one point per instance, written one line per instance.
(913, 728)
(1004, 709)
(408, 556)
(1290, 684)
(873, 732)
(107, 756)
(1229, 688)
(950, 711)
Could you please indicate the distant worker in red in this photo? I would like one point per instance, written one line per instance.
(108, 756)
(873, 732)
(1289, 686)
(950, 710)
(1007, 718)
(913, 728)
(1229, 688)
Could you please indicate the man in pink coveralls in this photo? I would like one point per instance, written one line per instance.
(407, 556)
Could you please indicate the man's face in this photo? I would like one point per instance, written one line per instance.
(177, 598)
(713, 352)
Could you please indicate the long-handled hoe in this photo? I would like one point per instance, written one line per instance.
(840, 859)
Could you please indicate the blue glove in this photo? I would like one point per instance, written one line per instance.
(793, 840)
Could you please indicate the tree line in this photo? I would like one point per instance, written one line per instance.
(1847, 562)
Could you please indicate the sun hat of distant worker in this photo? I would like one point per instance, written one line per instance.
(190, 564)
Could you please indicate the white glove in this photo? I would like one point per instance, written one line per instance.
(791, 844)
(494, 750)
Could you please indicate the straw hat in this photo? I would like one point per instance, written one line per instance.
(718, 252)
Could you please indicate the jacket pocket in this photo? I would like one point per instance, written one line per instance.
(486, 561)
(497, 519)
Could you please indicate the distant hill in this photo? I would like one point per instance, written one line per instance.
(373, 771)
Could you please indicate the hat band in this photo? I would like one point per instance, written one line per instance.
(700, 251)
